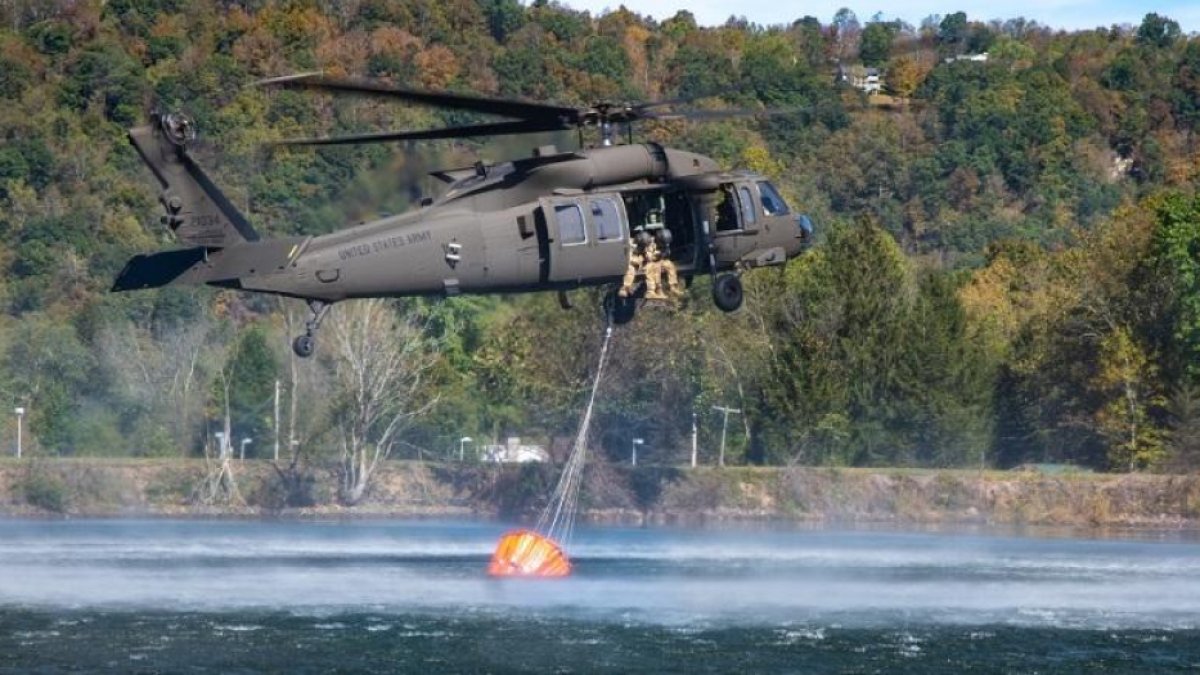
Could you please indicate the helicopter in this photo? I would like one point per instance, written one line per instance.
(552, 221)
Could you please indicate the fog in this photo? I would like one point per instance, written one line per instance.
(654, 575)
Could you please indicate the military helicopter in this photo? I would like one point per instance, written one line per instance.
(552, 221)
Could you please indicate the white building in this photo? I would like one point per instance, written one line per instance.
(512, 452)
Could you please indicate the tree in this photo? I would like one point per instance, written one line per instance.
(378, 361)
(953, 32)
(1126, 376)
(1157, 32)
(877, 43)
(1176, 260)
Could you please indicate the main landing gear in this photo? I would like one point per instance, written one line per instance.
(305, 345)
(727, 292)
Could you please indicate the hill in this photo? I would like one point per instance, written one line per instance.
(1007, 269)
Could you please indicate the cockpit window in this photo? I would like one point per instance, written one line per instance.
(772, 202)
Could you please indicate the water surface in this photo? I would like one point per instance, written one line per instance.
(238, 596)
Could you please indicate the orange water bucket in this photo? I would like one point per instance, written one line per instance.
(524, 553)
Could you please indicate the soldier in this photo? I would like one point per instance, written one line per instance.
(653, 269)
(637, 260)
(668, 266)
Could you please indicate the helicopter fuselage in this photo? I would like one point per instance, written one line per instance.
(480, 239)
(553, 221)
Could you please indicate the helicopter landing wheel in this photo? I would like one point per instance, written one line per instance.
(304, 346)
(727, 292)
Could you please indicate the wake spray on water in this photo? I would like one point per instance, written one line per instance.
(540, 552)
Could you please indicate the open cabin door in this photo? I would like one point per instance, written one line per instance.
(588, 236)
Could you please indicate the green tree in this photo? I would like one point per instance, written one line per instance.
(251, 371)
(1157, 32)
(876, 42)
(1176, 260)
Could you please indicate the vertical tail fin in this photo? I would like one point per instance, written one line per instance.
(197, 211)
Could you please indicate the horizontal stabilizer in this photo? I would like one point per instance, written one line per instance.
(158, 269)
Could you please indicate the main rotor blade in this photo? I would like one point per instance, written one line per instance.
(518, 127)
(493, 106)
(700, 115)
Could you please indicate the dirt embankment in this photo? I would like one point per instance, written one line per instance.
(113, 487)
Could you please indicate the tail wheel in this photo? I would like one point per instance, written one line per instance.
(727, 292)
(304, 346)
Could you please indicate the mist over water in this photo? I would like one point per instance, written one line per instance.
(110, 588)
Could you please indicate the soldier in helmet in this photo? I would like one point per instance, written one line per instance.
(658, 262)
(666, 265)
(637, 260)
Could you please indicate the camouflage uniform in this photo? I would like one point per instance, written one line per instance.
(637, 258)
(653, 268)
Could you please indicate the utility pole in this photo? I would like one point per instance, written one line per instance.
(694, 444)
(276, 420)
(724, 427)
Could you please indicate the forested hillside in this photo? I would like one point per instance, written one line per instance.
(1008, 265)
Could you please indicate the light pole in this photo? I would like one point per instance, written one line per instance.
(695, 429)
(724, 427)
(633, 451)
(20, 412)
(461, 442)
(242, 456)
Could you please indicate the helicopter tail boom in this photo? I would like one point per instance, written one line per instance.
(196, 210)
(266, 265)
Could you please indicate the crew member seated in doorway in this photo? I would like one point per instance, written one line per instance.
(637, 260)
(648, 254)
(658, 261)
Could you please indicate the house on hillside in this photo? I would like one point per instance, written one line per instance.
(977, 58)
(868, 80)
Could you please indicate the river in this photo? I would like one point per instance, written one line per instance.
(411, 596)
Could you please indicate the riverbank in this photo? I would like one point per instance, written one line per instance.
(614, 494)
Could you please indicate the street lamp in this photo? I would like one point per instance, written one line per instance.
(20, 412)
(724, 426)
(461, 442)
(633, 451)
(243, 450)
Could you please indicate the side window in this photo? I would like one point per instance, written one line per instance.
(747, 205)
(607, 219)
(570, 224)
(772, 201)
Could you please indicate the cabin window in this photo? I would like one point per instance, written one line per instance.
(772, 201)
(570, 224)
(607, 219)
(747, 204)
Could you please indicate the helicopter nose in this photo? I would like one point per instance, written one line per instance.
(805, 231)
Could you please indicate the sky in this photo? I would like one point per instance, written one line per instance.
(1066, 14)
